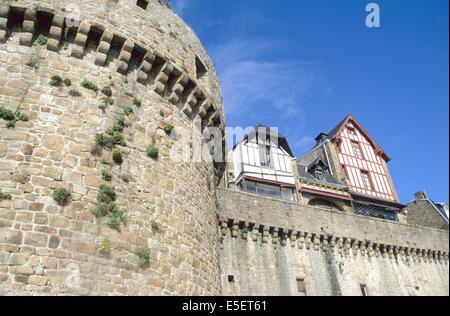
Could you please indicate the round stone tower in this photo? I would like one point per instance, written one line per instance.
(95, 97)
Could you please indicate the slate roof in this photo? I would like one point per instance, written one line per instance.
(306, 171)
(282, 140)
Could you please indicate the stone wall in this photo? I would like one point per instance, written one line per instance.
(267, 244)
(168, 206)
(422, 212)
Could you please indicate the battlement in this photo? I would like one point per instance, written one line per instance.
(274, 221)
(274, 247)
(129, 54)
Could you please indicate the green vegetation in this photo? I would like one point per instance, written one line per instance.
(137, 102)
(152, 151)
(155, 227)
(106, 175)
(168, 129)
(143, 253)
(127, 110)
(106, 206)
(161, 113)
(117, 157)
(55, 81)
(67, 82)
(42, 39)
(11, 118)
(125, 179)
(74, 93)
(61, 196)
(5, 196)
(89, 85)
(32, 63)
(107, 91)
(110, 141)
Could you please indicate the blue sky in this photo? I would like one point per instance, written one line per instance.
(303, 66)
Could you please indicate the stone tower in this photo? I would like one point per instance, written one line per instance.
(94, 98)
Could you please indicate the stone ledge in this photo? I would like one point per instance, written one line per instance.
(273, 218)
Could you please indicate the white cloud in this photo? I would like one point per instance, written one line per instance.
(251, 76)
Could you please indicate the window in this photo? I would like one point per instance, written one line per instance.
(375, 211)
(364, 291)
(142, 3)
(357, 150)
(324, 204)
(352, 131)
(266, 156)
(366, 180)
(319, 175)
(301, 287)
(274, 191)
(231, 279)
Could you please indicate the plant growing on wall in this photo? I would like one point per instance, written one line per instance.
(5, 196)
(107, 91)
(137, 102)
(106, 175)
(61, 196)
(168, 129)
(89, 85)
(74, 93)
(117, 157)
(67, 82)
(105, 247)
(128, 110)
(11, 118)
(42, 39)
(143, 254)
(152, 151)
(155, 227)
(55, 81)
(106, 206)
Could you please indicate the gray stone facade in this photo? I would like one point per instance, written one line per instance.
(267, 245)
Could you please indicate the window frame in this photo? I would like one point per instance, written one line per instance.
(356, 147)
(369, 180)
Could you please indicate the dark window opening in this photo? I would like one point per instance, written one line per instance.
(142, 4)
(44, 22)
(375, 211)
(301, 287)
(324, 204)
(93, 38)
(364, 291)
(137, 56)
(231, 279)
(15, 20)
(115, 48)
(201, 68)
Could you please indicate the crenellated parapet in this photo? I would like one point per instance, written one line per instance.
(342, 245)
(151, 68)
(271, 221)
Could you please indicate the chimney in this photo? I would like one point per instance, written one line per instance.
(321, 138)
(421, 195)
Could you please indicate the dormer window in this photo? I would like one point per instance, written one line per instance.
(318, 174)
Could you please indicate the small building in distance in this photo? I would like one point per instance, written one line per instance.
(423, 211)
